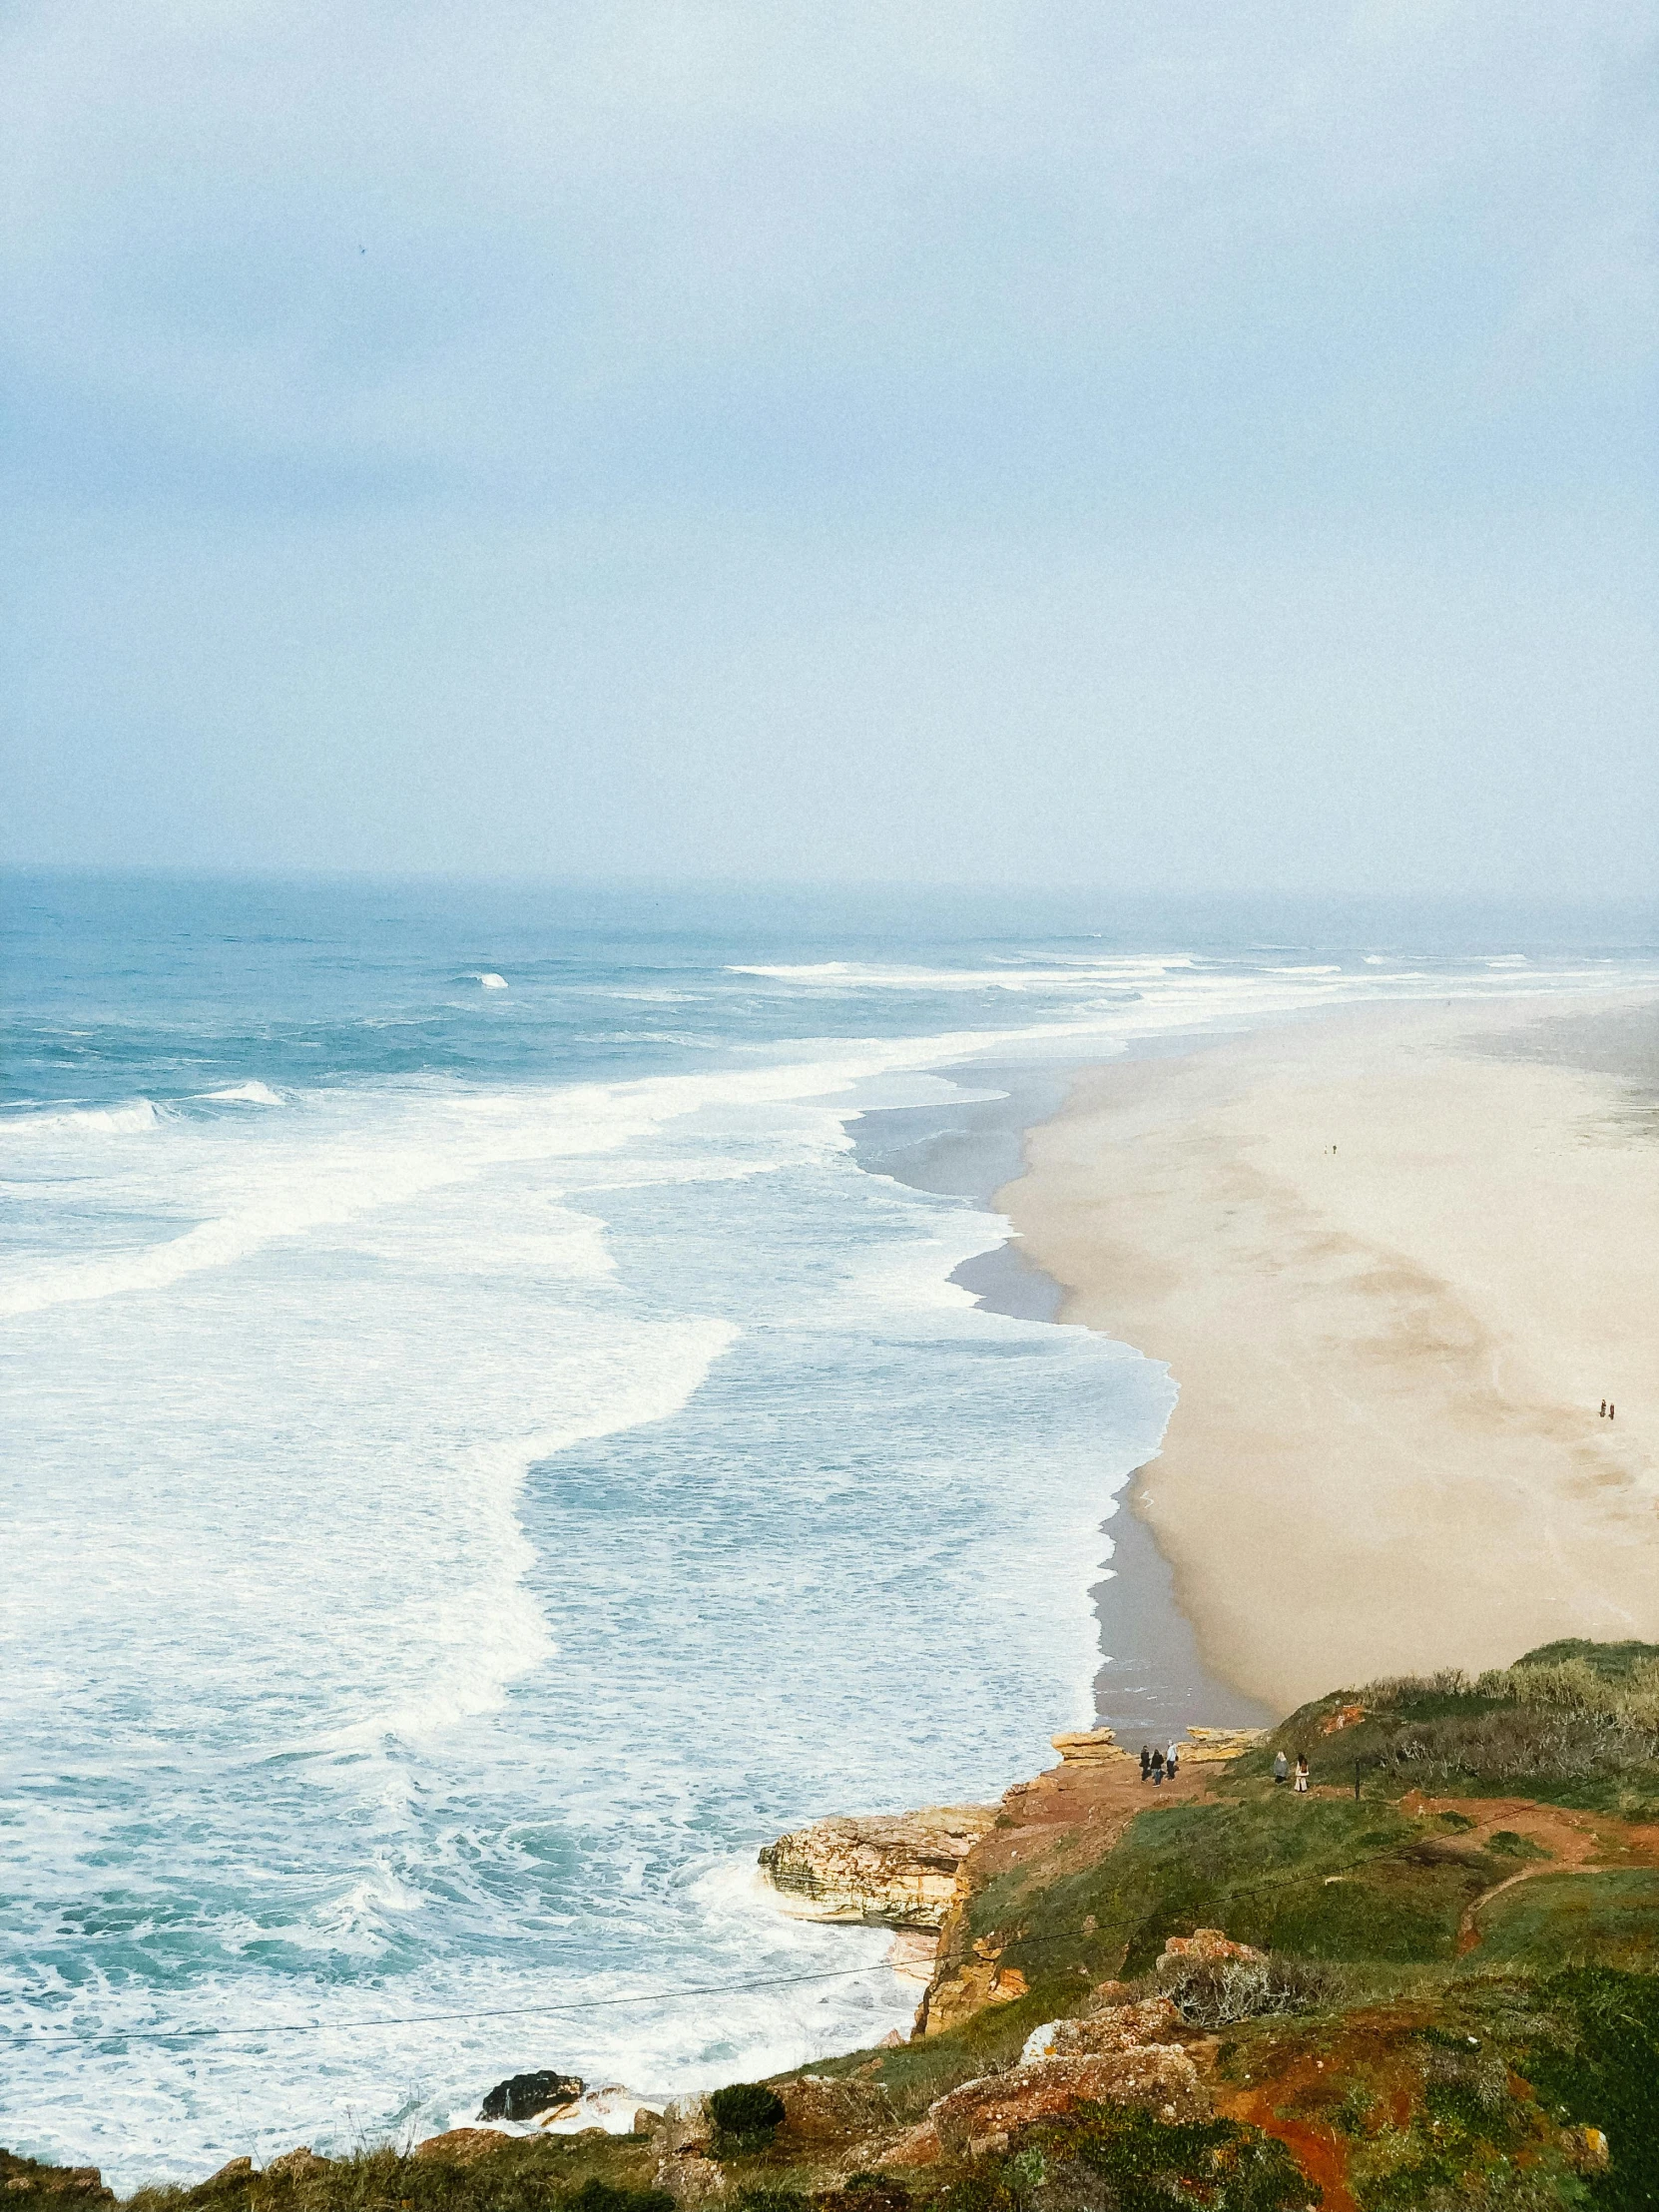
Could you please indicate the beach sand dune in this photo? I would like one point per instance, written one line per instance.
(1395, 1260)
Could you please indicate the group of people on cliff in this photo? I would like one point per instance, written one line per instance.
(1157, 1766)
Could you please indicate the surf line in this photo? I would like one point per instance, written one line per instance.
(417, 2019)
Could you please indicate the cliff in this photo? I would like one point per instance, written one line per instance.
(1432, 1980)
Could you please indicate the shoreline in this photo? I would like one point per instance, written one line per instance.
(1152, 1678)
(1393, 1256)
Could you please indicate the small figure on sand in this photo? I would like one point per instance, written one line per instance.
(1609, 1408)
(1146, 1762)
(1157, 1768)
(1604, 1409)
(1302, 1773)
(1281, 1769)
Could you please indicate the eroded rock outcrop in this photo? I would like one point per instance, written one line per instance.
(1205, 1946)
(684, 2139)
(817, 2107)
(1088, 1745)
(895, 1869)
(1118, 2027)
(1214, 1746)
(980, 2116)
(297, 2163)
(460, 2146)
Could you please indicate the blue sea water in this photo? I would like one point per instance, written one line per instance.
(484, 1456)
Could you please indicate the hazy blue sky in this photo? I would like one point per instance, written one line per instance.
(1113, 441)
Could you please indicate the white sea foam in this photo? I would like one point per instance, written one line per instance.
(134, 1117)
(487, 1515)
(247, 1094)
(491, 981)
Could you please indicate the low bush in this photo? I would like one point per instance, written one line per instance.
(1217, 1993)
(747, 2116)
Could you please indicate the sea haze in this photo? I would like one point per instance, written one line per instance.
(484, 1454)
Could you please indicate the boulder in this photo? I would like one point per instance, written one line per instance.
(1118, 2027)
(522, 2096)
(1088, 1747)
(1203, 1947)
(817, 2108)
(684, 2134)
(687, 2125)
(297, 2163)
(461, 2145)
(982, 2115)
(612, 2108)
(897, 1870)
(234, 2169)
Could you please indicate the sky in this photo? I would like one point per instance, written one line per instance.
(1146, 444)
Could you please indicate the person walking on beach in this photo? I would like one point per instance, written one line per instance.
(1302, 1773)
(1157, 1768)
(1281, 1770)
(1609, 1408)
(1146, 1762)
(1604, 1409)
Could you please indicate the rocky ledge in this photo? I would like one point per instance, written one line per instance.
(895, 1869)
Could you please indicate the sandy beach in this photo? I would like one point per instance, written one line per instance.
(1395, 1260)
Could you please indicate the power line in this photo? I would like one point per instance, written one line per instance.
(415, 2020)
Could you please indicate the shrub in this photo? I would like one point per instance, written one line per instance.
(1215, 1992)
(747, 2116)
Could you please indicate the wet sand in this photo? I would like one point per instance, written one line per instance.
(1153, 1681)
(1396, 1257)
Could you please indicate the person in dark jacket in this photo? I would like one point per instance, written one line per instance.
(1146, 1762)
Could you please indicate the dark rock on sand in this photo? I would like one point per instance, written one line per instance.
(526, 2094)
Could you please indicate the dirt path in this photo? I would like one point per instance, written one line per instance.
(1577, 1843)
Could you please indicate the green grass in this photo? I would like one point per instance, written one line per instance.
(1608, 1918)
(1319, 1878)
(546, 2174)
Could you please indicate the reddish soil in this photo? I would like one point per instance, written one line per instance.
(1318, 2151)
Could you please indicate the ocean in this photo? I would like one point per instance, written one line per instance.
(503, 1419)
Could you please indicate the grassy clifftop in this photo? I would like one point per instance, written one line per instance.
(1459, 2005)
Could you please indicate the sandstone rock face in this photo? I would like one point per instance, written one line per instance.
(1119, 2028)
(1211, 1746)
(980, 2116)
(897, 1870)
(1082, 1745)
(461, 2145)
